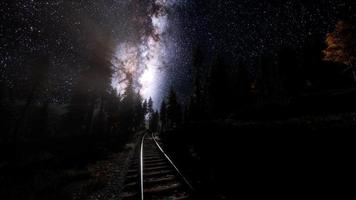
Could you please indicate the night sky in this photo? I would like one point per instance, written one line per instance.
(152, 39)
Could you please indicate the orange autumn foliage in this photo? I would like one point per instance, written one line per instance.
(341, 44)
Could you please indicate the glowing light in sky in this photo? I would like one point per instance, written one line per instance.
(145, 60)
(126, 63)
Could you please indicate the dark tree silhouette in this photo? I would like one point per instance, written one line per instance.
(140, 112)
(76, 119)
(127, 108)
(38, 76)
(241, 89)
(150, 110)
(154, 122)
(218, 84)
(269, 84)
(312, 63)
(145, 106)
(8, 112)
(174, 111)
(99, 74)
(113, 107)
(290, 73)
(163, 116)
(198, 101)
(40, 121)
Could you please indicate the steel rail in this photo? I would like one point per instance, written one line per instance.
(171, 162)
(166, 156)
(141, 167)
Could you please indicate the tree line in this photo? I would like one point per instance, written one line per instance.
(221, 89)
(94, 108)
(225, 89)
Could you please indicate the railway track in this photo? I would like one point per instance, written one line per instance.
(153, 176)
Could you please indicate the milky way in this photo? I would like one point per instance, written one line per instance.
(132, 34)
(145, 60)
(152, 39)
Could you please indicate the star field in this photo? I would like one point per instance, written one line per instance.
(67, 31)
(244, 30)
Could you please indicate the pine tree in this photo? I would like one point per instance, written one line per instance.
(163, 116)
(150, 109)
(174, 111)
(140, 112)
(79, 108)
(113, 106)
(198, 101)
(218, 88)
(39, 74)
(145, 107)
(154, 122)
(99, 79)
(40, 120)
(127, 108)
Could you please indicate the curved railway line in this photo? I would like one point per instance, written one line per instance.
(153, 176)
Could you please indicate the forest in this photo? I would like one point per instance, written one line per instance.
(283, 123)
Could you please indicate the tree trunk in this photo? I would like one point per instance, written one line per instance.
(23, 114)
(20, 122)
(353, 70)
(91, 116)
